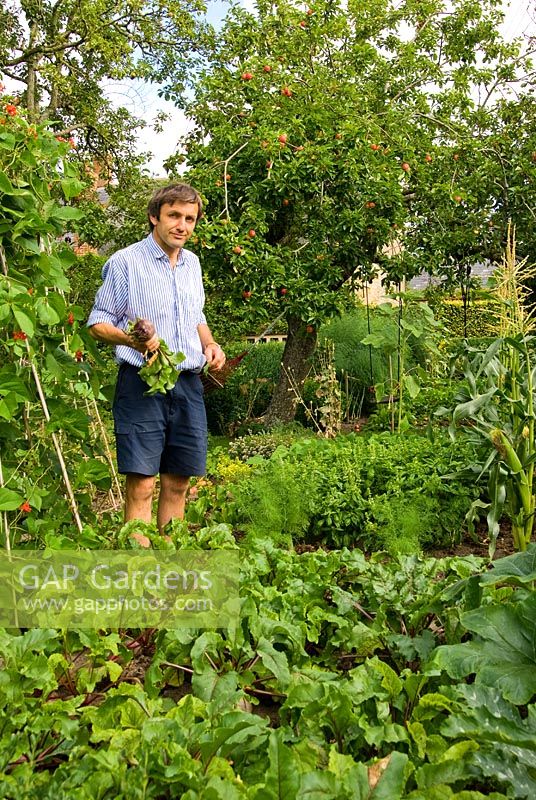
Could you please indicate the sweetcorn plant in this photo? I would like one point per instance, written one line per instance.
(496, 408)
(495, 411)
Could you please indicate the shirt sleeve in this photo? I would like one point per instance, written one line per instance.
(112, 297)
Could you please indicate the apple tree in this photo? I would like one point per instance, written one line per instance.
(312, 126)
(60, 56)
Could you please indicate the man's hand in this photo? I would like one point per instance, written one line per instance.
(214, 355)
(150, 345)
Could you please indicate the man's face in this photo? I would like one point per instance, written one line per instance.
(175, 225)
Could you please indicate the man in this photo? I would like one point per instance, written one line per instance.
(158, 280)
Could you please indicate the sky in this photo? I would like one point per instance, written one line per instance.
(143, 100)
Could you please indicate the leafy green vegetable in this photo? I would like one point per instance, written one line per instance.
(160, 371)
(503, 654)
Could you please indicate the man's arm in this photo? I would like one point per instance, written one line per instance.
(109, 334)
(211, 349)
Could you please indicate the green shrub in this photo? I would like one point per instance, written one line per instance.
(482, 316)
(264, 444)
(247, 391)
(400, 525)
(420, 410)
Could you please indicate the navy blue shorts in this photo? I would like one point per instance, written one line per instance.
(163, 433)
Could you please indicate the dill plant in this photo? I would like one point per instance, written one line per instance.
(277, 501)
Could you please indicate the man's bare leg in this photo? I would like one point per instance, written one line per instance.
(139, 497)
(172, 499)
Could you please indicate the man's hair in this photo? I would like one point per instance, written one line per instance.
(175, 192)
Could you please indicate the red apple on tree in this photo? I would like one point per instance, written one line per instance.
(237, 249)
(406, 167)
(247, 76)
(282, 138)
(267, 68)
(246, 294)
(251, 233)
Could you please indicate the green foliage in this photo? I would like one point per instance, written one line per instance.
(361, 476)
(461, 220)
(160, 370)
(48, 384)
(85, 277)
(250, 445)
(502, 655)
(416, 324)
(342, 651)
(247, 391)
(382, 492)
(276, 502)
(435, 394)
(482, 316)
(62, 55)
(505, 753)
(365, 366)
(402, 524)
(498, 400)
(404, 184)
(123, 220)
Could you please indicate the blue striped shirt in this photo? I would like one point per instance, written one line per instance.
(138, 282)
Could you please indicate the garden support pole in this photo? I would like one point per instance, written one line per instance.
(107, 449)
(5, 522)
(55, 441)
(4, 513)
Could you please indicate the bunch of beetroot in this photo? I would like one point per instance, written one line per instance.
(160, 369)
(142, 330)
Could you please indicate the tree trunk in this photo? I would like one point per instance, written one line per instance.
(295, 367)
(31, 76)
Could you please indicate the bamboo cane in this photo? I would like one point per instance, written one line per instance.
(108, 452)
(5, 521)
(55, 440)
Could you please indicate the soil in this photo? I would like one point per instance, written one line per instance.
(468, 546)
(479, 544)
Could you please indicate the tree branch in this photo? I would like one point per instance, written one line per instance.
(43, 51)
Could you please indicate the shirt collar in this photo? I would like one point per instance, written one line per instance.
(157, 252)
